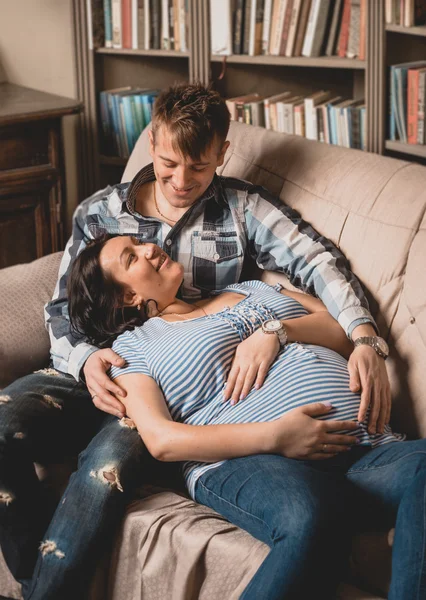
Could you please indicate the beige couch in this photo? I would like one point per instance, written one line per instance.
(373, 209)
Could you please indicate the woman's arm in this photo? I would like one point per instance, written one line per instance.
(295, 435)
(318, 328)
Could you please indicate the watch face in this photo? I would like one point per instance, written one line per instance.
(382, 345)
(272, 325)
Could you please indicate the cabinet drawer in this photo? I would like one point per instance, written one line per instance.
(25, 145)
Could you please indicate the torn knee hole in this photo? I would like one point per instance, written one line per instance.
(6, 498)
(108, 475)
(48, 371)
(51, 401)
(126, 422)
(49, 547)
(4, 399)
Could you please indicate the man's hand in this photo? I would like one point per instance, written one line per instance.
(368, 374)
(251, 363)
(299, 435)
(100, 385)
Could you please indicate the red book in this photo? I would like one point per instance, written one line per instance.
(344, 29)
(126, 23)
(412, 104)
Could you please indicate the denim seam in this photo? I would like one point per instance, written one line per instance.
(423, 554)
(351, 471)
(238, 508)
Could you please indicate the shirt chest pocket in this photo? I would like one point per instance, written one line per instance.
(217, 259)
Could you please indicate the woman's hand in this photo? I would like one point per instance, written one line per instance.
(100, 386)
(368, 374)
(299, 435)
(250, 366)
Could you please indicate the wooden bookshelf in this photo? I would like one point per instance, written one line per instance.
(105, 68)
(329, 62)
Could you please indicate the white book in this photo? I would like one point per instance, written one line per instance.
(221, 27)
(266, 27)
(182, 25)
(315, 29)
(165, 32)
(276, 41)
(147, 25)
(135, 24)
(311, 125)
(252, 31)
(295, 13)
(267, 104)
(117, 41)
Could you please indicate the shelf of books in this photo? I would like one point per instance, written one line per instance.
(407, 78)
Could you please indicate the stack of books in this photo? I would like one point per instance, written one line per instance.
(125, 112)
(289, 27)
(407, 102)
(320, 116)
(407, 13)
(146, 24)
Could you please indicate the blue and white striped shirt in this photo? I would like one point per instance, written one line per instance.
(190, 360)
(232, 223)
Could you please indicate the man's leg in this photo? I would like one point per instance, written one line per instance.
(43, 417)
(391, 480)
(295, 509)
(113, 465)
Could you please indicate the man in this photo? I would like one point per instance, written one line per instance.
(181, 204)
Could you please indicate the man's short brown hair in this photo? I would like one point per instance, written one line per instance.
(195, 116)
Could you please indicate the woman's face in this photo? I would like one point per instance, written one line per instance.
(143, 270)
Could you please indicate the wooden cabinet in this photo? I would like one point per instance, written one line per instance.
(31, 173)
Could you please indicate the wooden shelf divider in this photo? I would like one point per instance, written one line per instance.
(419, 30)
(330, 62)
(409, 149)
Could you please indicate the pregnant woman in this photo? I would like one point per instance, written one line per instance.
(244, 460)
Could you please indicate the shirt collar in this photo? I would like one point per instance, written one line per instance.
(147, 174)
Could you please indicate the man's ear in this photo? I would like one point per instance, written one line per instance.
(222, 153)
(131, 298)
(151, 142)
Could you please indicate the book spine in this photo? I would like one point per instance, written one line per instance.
(324, 110)
(354, 29)
(246, 27)
(247, 114)
(276, 39)
(126, 23)
(286, 27)
(108, 23)
(356, 127)
(344, 28)
(267, 113)
(183, 46)
(309, 108)
(141, 24)
(106, 128)
(165, 39)
(135, 24)
(332, 34)
(239, 111)
(147, 24)
(321, 136)
(252, 28)
(295, 13)
(320, 27)
(301, 30)
(299, 119)
(412, 105)
(123, 132)
(308, 42)
(258, 27)
(392, 104)
(155, 12)
(116, 24)
(238, 26)
(421, 108)
(362, 29)
(174, 25)
(266, 28)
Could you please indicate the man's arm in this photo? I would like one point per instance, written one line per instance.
(280, 240)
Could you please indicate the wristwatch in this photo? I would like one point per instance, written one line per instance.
(376, 342)
(275, 326)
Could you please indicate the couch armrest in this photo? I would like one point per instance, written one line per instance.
(24, 341)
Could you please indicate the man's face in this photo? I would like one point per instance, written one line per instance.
(181, 179)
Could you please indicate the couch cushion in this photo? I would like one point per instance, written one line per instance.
(24, 342)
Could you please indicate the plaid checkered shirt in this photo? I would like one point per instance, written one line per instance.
(234, 223)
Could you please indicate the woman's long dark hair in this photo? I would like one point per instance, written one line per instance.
(95, 300)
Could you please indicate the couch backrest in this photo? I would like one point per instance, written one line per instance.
(373, 208)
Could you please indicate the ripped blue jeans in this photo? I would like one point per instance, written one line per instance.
(45, 417)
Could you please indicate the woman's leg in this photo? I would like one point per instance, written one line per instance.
(295, 509)
(392, 480)
(112, 466)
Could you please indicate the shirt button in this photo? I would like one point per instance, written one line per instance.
(216, 256)
(168, 242)
(412, 320)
